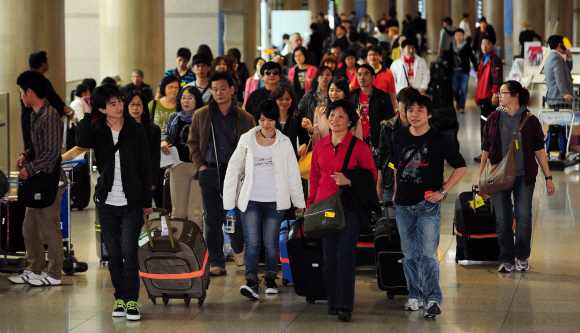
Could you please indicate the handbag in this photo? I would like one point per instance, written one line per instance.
(39, 190)
(241, 177)
(326, 217)
(499, 177)
(305, 161)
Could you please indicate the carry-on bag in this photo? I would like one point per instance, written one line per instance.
(285, 262)
(173, 259)
(306, 263)
(80, 191)
(11, 218)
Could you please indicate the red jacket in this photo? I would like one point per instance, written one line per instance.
(489, 79)
(326, 161)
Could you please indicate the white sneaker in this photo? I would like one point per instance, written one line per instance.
(24, 277)
(44, 280)
(413, 305)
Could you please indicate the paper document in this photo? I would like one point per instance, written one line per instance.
(171, 160)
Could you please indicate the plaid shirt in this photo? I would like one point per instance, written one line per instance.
(321, 100)
(46, 130)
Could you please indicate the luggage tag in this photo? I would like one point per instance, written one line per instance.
(144, 238)
(329, 214)
(164, 229)
(391, 165)
(478, 202)
(517, 145)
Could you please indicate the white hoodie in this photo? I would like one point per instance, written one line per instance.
(288, 182)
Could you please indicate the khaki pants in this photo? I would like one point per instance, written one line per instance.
(185, 194)
(42, 226)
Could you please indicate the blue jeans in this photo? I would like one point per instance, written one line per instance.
(460, 85)
(120, 228)
(387, 196)
(215, 216)
(502, 205)
(339, 263)
(262, 216)
(420, 228)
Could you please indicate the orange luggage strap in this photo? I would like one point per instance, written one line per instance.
(284, 260)
(190, 275)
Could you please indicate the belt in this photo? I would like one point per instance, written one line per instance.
(214, 165)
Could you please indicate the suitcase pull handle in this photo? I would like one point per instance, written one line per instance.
(148, 228)
(475, 190)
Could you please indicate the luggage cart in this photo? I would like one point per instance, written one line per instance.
(559, 115)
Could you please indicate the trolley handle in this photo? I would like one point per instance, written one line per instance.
(165, 213)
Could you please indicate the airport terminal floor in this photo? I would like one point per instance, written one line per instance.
(476, 298)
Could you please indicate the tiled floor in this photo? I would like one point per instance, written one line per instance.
(476, 298)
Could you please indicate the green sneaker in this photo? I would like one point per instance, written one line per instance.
(132, 310)
(119, 309)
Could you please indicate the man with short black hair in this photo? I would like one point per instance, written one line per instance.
(41, 225)
(557, 68)
(341, 38)
(446, 36)
(138, 84)
(215, 131)
(420, 152)
(38, 61)
(201, 67)
(384, 79)
(182, 71)
(270, 73)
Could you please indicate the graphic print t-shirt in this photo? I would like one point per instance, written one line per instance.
(424, 171)
(264, 183)
(363, 109)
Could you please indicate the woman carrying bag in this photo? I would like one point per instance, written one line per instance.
(325, 178)
(264, 166)
(529, 148)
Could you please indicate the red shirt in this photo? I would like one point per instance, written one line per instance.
(385, 80)
(363, 110)
(326, 161)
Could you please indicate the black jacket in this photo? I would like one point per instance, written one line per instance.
(380, 108)
(153, 133)
(386, 151)
(307, 104)
(134, 154)
(294, 129)
(358, 197)
(255, 99)
(466, 55)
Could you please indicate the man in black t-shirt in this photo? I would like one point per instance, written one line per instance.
(420, 152)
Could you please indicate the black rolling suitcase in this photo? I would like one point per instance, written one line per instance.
(306, 261)
(445, 120)
(475, 229)
(80, 191)
(390, 273)
(440, 85)
(101, 249)
(365, 253)
(11, 218)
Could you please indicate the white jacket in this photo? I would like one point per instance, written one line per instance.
(288, 182)
(420, 70)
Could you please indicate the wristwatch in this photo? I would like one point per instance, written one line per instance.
(550, 178)
(442, 191)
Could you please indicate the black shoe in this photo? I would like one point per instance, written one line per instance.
(344, 315)
(271, 286)
(251, 289)
(332, 311)
(432, 310)
(477, 159)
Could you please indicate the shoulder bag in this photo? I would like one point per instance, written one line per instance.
(499, 177)
(39, 190)
(326, 217)
(305, 161)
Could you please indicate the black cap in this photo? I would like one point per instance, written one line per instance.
(200, 57)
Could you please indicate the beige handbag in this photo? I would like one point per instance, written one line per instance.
(499, 177)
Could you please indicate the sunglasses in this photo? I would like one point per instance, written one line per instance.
(271, 72)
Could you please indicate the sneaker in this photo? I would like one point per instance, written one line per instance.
(217, 271)
(239, 258)
(432, 310)
(22, 278)
(271, 286)
(522, 265)
(119, 309)
(44, 280)
(251, 289)
(413, 305)
(505, 267)
(132, 310)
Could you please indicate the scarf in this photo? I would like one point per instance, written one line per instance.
(181, 114)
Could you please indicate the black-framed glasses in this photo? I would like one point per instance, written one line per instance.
(271, 72)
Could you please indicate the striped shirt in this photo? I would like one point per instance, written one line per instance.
(46, 129)
(117, 196)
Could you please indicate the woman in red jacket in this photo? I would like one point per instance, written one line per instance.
(325, 177)
(302, 74)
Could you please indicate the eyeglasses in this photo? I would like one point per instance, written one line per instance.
(172, 87)
(135, 105)
(364, 74)
(271, 72)
(183, 98)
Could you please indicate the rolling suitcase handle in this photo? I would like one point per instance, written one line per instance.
(388, 205)
(474, 190)
(148, 228)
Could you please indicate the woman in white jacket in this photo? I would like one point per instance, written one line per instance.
(271, 183)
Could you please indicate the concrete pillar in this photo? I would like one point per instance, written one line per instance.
(315, 7)
(291, 5)
(563, 10)
(493, 12)
(132, 35)
(470, 7)
(527, 11)
(405, 7)
(436, 10)
(376, 9)
(253, 37)
(26, 27)
(345, 6)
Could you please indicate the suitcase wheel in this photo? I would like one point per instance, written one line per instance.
(284, 282)
(187, 301)
(310, 300)
(200, 302)
(165, 300)
(390, 294)
(154, 301)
